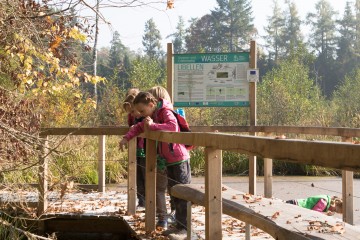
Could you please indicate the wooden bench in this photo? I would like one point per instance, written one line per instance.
(274, 216)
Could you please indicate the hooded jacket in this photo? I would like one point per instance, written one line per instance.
(140, 142)
(164, 120)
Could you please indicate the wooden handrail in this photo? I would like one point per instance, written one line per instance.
(121, 130)
(338, 155)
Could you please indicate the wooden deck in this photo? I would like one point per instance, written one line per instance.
(279, 219)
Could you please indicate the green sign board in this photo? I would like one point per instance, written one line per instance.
(211, 80)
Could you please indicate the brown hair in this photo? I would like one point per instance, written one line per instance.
(337, 204)
(132, 91)
(145, 98)
(160, 92)
(128, 102)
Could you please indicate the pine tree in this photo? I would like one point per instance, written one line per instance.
(346, 43)
(357, 26)
(152, 40)
(201, 35)
(322, 40)
(274, 31)
(179, 36)
(236, 24)
(291, 37)
(117, 51)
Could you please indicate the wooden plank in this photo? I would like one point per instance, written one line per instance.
(122, 130)
(85, 131)
(170, 71)
(150, 185)
(101, 163)
(281, 220)
(345, 156)
(131, 201)
(325, 131)
(213, 184)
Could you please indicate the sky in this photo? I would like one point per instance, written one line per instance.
(130, 22)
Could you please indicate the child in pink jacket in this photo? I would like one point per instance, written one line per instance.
(158, 117)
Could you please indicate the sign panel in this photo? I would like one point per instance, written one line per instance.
(211, 80)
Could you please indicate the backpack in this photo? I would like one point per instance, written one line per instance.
(184, 127)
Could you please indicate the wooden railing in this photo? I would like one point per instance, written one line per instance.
(339, 155)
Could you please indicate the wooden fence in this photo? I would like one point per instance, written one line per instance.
(343, 155)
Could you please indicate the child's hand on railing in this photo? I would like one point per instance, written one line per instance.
(122, 144)
(148, 122)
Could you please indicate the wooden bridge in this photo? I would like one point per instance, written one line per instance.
(255, 141)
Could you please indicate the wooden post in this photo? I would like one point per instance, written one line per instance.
(213, 195)
(150, 185)
(268, 175)
(131, 201)
(43, 175)
(101, 164)
(189, 220)
(348, 192)
(252, 99)
(170, 71)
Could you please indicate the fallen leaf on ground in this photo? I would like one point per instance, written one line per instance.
(275, 215)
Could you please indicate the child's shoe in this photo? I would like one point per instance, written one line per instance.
(162, 225)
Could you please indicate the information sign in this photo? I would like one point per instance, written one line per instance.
(211, 80)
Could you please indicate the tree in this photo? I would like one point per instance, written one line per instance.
(117, 54)
(201, 35)
(236, 27)
(152, 40)
(287, 96)
(179, 37)
(357, 38)
(347, 101)
(346, 43)
(274, 32)
(322, 40)
(291, 37)
(146, 73)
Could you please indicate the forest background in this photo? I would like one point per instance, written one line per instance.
(48, 79)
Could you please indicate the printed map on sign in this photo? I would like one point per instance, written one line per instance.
(211, 79)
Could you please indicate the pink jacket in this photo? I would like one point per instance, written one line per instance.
(131, 122)
(164, 120)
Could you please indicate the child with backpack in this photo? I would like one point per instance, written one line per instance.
(160, 116)
(161, 173)
(133, 118)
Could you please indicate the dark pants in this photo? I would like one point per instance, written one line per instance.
(179, 174)
(292, 202)
(140, 180)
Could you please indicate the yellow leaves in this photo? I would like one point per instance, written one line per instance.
(93, 79)
(91, 102)
(75, 34)
(55, 43)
